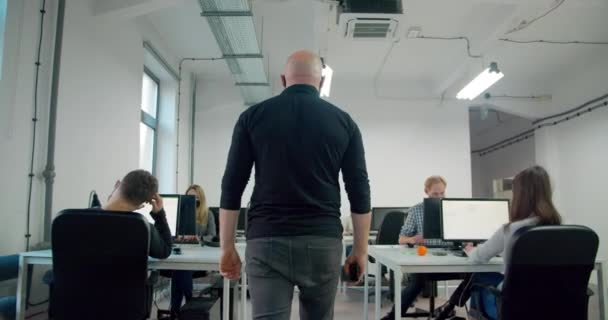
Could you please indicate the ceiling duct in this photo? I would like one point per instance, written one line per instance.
(231, 22)
(370, 20)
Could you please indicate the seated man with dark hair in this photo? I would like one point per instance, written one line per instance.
(130, 193)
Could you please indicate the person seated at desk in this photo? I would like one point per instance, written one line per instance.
(129, 194)
(411, 233)
(531, 206)
(181, 280)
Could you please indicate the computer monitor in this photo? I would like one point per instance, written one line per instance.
(241, 222)
(186, 222)
(171, 206)
(216, 215)
(431, 222)
(472, 219)
(378, 214)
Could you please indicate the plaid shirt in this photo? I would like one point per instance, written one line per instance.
(414, 225)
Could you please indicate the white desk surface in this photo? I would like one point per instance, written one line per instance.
(192, 256)
(348, 239)
(404, 258)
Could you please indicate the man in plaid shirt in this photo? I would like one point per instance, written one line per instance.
(411, 233)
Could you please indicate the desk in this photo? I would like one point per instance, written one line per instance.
(401, 260)
(192, 258)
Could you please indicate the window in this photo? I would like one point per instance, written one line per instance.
(149, 121)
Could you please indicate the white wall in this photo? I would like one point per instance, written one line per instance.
(502, 163)
(575, 152)
(405, 142)
(97, 119)
(16, 113)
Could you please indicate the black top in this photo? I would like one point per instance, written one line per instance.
(298, 143)
(160, 236)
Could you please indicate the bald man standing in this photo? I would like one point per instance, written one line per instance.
(298, 144)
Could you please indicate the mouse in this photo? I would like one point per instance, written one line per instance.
(177, 250)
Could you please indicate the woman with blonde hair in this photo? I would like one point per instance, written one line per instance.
(181, 281)
(205, 222)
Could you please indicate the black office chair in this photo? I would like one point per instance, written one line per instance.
(548, 274)
(388, 234)
(100, 262)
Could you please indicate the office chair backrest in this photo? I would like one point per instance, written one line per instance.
(100, 261)
(390, 228)
(548, 273)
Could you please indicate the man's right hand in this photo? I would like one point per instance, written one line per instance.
(157, 203)
(417, 239)
(357, 259)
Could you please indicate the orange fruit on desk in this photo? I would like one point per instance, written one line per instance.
(422, 250)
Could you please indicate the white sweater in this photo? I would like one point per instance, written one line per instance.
(497, 244)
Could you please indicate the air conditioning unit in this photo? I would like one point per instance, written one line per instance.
(370, 20)
(371, 28)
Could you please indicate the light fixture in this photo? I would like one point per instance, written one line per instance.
(327, 73)
(482, 82)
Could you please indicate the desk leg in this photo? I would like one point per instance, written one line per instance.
(21, 288)
(226, 300)
(397, 295)
(378, 290)
(366, 291)
(601, 289)
(244, 294)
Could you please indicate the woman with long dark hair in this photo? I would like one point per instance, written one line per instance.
(532, 205)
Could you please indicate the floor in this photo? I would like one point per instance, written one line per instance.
(348, 306)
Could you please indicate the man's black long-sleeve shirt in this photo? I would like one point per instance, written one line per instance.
(160, 236)
(298, 143)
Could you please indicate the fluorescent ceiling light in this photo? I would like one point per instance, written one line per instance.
(482, 82)
(327, 73)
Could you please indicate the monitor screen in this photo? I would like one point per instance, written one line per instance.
(186, 224)
(472, 219)
(216, 215)
(171, 206)
(431, 222)
(378, 214)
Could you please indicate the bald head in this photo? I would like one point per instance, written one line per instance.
(303, 67)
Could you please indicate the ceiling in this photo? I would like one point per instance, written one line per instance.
(418, 68)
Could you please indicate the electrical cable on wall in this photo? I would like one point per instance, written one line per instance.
(524, 23)
(34, 127)
(553, 41)
(573, 113)
(179, 93)
(468, 41)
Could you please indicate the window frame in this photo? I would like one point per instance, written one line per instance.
(148, 120)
